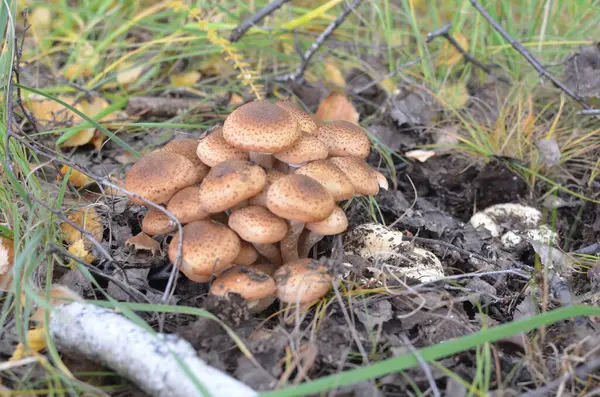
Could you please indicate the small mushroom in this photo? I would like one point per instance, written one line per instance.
(365, 179)
(307, 148)
(214, 149)
(331, 177)
(261, 198)
(186, 206)
(157, 222)
(344, 139)
(261, 129)
(230, 183)
(335, 223)
(307, 122)
(207, 249)
(159, 175)
(302, 281)
(247, 256)
(187, 148)
(256, 287)
(299, 199)
(260, 227)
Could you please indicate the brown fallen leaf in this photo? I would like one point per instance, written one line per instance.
(7, 259)
(185, 79)
(337, 107)
(78, 249)
(76, 178)
(87, 219)
(143, 242)
(334, 78)
(128, 73)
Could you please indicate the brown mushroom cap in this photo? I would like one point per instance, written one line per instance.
(268, 268)
(261, 198)
(302, 281)
(307, 148)
(299, 198)
(7, 259)
(335, 223)
(343, 138)
(362, 176)
(251, 284)
(247, 256)
(157, 222)
(186, 206)
(257, 224)
(207, 247)
(230, 183)
(261, 127)
(187, 148)
(331, 177)
(213, 149)
(307, 122)
(159, 175)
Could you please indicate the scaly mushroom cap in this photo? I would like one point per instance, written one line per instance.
(331, 177)
(257, 224)
(213, 149)
(159, 175)
(302, 281)
(343, 138)
(229, 183)
(307, 122)
(335, 223)
(186, 206)
(187, 148)
(261, 198)
(207, 248)
(247, 256)
(261, 127)
(251, 284)
(7, 259)
(307, 148)
(157, 222)
(299, 198)
(362, 176)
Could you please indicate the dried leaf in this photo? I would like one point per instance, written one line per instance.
(128, 73)
(47, 111)
(337, 107)
(7, 259)
(143, 242)
(76, 178)
(40, 20)
(83, 137)
(98, 140)
(185, 79)
(36, 341)
(334, 77)
(454, 96)
(420, 155)
(78, 249)
(549, 151)
(236, 100)
(450, 55)
(88, 220)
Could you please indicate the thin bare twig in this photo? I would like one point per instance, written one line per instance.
(580, 372)
(424, 366)
(530, 58)
(373, 83)
(298, 75)
(444, 32)
(242, 28)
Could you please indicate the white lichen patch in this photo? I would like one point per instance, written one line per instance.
(514, 216)
(481, 219)
(385, 249)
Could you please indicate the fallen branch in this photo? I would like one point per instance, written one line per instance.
(165, 107)
(242, 28)
(159, 364)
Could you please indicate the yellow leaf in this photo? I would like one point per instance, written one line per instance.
(454, 96)
(47, 111)
(86, 219)
(87, 58)
(334, 76)
(143, 242)
(41, 20)
(128, 73)
(81, 138)
(216, 65)
(450, 55)
(89, 135)
(236, 100)
(76, 178)
(337, 107)
(185, 79)
(36, 341)
(75, 70)
(420, 155)
(98, 140)
(59, 294)
(78, 249)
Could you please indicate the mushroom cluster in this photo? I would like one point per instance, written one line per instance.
(254, 196)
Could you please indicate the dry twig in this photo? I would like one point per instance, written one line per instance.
(242, 28)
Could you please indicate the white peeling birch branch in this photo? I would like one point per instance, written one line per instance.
(146, 359)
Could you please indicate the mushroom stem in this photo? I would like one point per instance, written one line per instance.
(264, 160)
(307, 240)
(289, 244)
(269, 251)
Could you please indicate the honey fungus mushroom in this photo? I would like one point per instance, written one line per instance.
(299, 199)
(156, 222)
(307, 122)
(365, 179)
(159, 175)
(214, 149)
(335, 223)
(306, 149)
(302, 281)
(185, 206)
(256, 287)
(187, 148)
(207, 249)
(344, 139)
(261, 129)
(331, 177)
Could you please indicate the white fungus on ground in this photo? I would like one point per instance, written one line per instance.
(145, 358)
